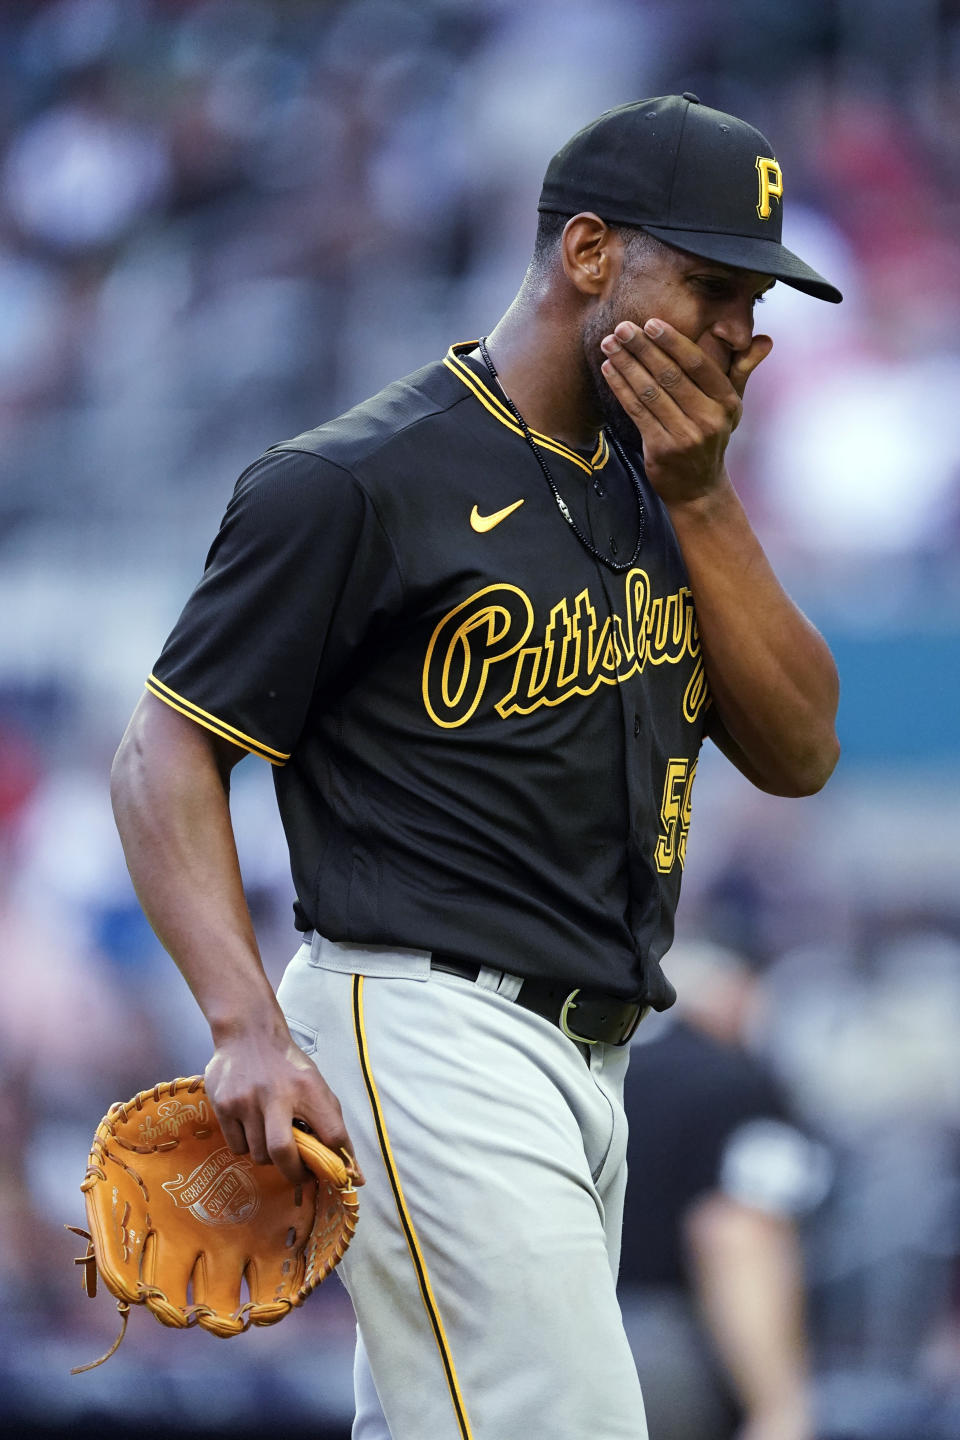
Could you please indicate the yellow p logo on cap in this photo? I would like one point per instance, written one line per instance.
(771, 183)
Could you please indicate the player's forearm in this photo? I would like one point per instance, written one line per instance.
(171, 805)
(747, 1277)
(772, 677)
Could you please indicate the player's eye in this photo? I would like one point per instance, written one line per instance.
(712, 285)
(719, 288)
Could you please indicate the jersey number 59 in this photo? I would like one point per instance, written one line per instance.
(675, 814)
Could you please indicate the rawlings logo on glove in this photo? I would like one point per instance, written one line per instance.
(178, 1221)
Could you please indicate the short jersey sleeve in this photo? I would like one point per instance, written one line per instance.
(298, 573)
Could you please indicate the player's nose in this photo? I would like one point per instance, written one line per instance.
(734, 328)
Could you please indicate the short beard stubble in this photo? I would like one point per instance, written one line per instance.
(637, 246)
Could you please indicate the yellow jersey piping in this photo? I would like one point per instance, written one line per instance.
(413, 1244)
(212, 723)
(500, 412)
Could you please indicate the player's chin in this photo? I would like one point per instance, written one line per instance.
(612, 414)
(616, 420)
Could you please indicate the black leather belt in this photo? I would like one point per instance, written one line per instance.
(586, 1016)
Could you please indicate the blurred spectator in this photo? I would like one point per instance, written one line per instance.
(711, 1272)
(867, 1043)
(79, 177)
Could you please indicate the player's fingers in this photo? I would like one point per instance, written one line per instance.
(659, 344)
(280, 1145)
(646, 388)
(229, 1112)
(656, 377)
(745, 364)
(345, 1152)
(646, 421)
(255, 1131)
(322, 1115)
(234, 1135)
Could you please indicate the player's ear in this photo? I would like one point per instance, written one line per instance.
(591, 253)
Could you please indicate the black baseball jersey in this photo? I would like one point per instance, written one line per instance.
(484, 741)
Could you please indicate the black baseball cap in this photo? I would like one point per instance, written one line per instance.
(696, 178)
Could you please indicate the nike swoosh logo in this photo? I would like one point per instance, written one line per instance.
(482, 523)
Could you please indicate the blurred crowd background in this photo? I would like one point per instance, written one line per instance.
(221, 223)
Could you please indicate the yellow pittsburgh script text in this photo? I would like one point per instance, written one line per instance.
(486, 641)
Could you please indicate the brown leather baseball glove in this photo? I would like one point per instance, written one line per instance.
(178, 1222)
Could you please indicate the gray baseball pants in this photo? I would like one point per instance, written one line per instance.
(484, 1265)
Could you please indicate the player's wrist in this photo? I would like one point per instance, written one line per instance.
(258, 1020)
(701, 505)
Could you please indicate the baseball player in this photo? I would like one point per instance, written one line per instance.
(480, 625)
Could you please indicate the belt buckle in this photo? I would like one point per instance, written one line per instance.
(642, 1011)
(568, 1005)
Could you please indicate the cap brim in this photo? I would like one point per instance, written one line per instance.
(768, 257)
